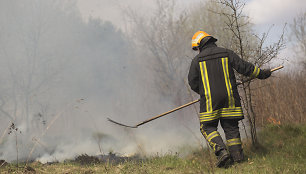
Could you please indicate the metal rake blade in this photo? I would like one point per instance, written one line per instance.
(120, 124)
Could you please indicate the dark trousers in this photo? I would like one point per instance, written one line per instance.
(232, 134)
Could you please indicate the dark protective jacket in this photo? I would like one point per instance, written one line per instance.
(211, 75)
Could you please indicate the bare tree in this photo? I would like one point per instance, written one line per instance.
(239, 26)
(164, 37)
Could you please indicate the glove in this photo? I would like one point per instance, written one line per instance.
(264, 74)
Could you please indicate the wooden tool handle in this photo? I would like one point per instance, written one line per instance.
(163, 114)
(277, 68)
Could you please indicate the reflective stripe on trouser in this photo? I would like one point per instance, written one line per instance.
(212, 136)
(233, 142)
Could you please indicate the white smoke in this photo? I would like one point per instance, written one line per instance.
(63, 76)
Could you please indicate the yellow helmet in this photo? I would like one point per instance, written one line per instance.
(196, 39)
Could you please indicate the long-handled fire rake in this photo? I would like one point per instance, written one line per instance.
(178, 108)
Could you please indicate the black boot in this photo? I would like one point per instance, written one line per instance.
(237, 154)
(223, 158)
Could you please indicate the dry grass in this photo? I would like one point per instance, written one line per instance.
(280, 99)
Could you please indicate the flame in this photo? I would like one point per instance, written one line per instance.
(273, 121)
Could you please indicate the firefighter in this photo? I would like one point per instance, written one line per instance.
(211, 75)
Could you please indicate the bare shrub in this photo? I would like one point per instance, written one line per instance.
(255, 52)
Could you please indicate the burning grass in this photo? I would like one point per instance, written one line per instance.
(111, 158)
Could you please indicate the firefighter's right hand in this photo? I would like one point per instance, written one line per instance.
(265, 73)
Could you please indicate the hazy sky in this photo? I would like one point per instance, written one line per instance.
(262, 12)
(274, 11)
(112, 10)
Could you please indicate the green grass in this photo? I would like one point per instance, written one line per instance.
(282, 150)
